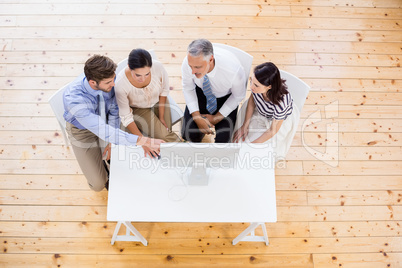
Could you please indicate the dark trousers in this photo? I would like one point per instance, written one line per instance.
(224, 129)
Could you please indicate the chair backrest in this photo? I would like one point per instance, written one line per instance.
(245, 59)
(297, 88)
(56, 102)
(175, 111)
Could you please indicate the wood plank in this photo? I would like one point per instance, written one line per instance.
(341, 183)
(348, 35)
(339, 213)
(201, 246)
(52, 44)
(347, 59)
(346, 12)
(334, 124)
(345, 153)
(347, 139)
(285, 213)
(43, 181)
(353, 168)
(354, 198)
(32, 83)
(154, 229)
(357, 85)
(159, 260)
(153, 32)
(355, 229)
(91, 198)
(32, 138)
(358, 260)
(137, 9)
(251, 15)
(323, 3)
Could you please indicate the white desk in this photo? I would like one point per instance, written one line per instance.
(140, 191)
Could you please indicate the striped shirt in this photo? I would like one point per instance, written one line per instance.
(270, 110)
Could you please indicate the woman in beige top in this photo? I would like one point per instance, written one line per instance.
(141, 93)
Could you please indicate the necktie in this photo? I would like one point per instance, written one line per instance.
(102, 111)
(211, 99)
(102, 107)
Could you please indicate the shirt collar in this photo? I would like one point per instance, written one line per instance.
(213, 72)
(89, 89)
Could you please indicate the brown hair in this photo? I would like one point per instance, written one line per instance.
(99, 67)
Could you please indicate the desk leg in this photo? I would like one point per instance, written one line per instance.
(244, 236)
(136, 237)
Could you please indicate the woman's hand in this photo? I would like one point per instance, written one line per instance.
(240, 134)
(164, 123)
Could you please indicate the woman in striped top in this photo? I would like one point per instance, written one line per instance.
(270, 115)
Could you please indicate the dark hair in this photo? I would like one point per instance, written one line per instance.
(139, 58)
(268, 75)
(99, 67)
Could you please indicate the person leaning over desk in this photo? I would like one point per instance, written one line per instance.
(141, 93)
(213, 85)
(270, 116)
(92, 118)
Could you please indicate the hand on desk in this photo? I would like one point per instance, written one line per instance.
(241, 134)
(150, 146)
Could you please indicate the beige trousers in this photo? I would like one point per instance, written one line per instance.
(147, 121)
(88, 152)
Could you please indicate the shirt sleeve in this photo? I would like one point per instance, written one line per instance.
(238, 91)
(121, 91)
(83, 110)
(164, 79)
(189, 87)
(284, 109)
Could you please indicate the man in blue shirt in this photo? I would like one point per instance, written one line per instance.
(93, 122)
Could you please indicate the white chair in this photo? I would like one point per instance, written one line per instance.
(297, 88)
(175, 111)
(245, 59)
(56, 102)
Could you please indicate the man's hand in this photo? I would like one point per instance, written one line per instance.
(148, 151)
(106, 153)
(153, 144)
(203, 124)
(214, 119)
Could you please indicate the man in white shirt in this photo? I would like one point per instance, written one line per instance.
(214, 83)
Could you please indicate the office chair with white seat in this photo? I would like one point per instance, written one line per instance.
(298, 90)
(245, 59)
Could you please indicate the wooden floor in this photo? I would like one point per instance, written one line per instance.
(339, 194)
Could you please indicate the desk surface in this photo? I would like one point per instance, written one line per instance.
(140, 190)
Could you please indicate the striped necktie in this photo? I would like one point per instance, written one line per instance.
(102, 107)
(102, 113)
(211, 99)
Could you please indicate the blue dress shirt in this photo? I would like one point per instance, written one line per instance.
(81, 105)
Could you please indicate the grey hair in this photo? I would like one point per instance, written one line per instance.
(201, 47)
